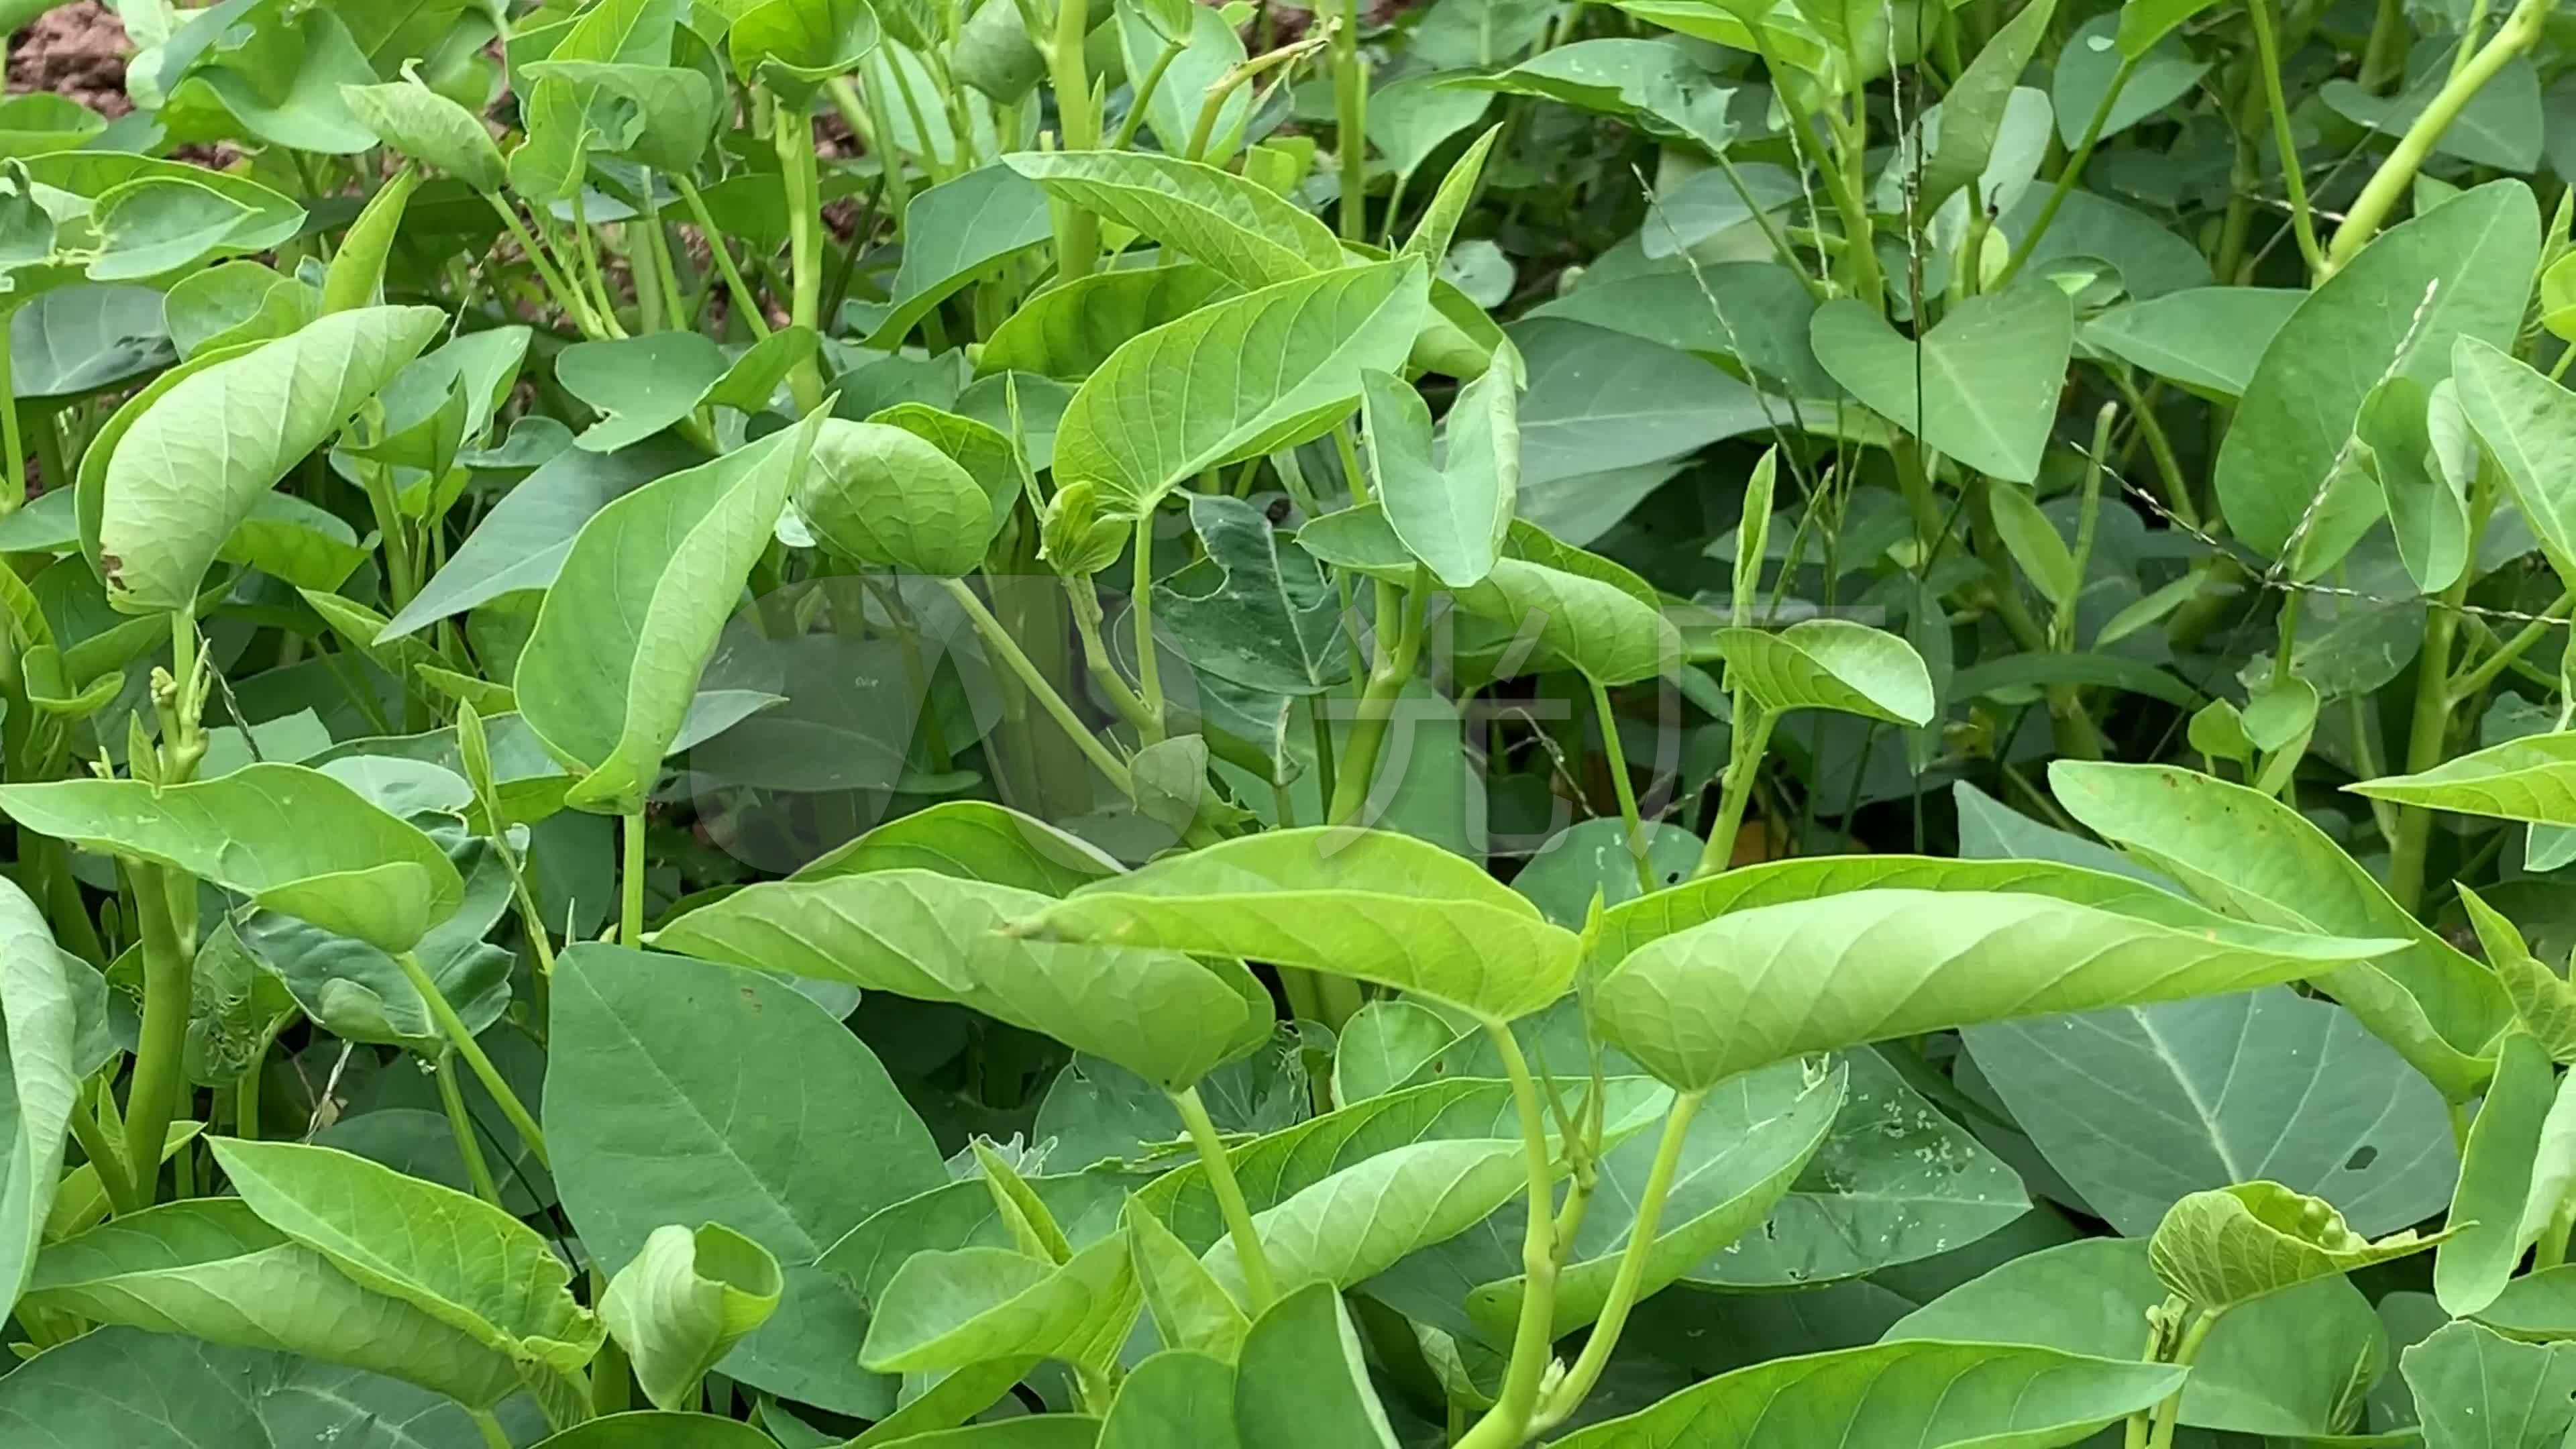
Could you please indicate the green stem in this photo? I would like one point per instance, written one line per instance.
(2427, 735)
(799, 171)
(2396, 175)
(494, 1436)
(630, 907)
(1616, 757)
(452, 1026)
(575, 305)
(1077, 241)
(2170, 1411)
(1743, 762)
(1386, 681)
(107, 1159)
(246, 1087)
(1149, 665)
(2465, 687)
(746, 305)
(2067, 175)
(1507, 1424)
(169, 969)
(11, 438)
(1248, 1252)
(999, 640)
(2268, 64)
(1144, 96)
(1350, 125)
(1578, 1381)
(451, 1100)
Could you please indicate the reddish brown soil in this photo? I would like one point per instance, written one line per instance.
(77, 50)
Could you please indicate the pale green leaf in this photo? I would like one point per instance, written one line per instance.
(679, 1306)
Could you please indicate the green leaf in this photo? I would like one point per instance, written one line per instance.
(2140, 1106)
(1745, 1148)
(2035, 544)
(954, 232)
(1453, 517)
(190, 466)
(2287, 1364)
(2089, 66)
(2528, 423)
(2538, 1306)
(1972, 110)
(1255, 374)
(651, 1055)
(683, 1302)
(1209, 46)
(1592, 856)
(659, 116)
(1439, 223)
(1946, 1394)
(934, 937)
(39, 1025)
(1364, 1219)
(2543, 1001)
(1068, 331)
(125, 1388)
(971, 840)
(82, 339)
(1384, 1043)
(1987, 375)
(883, 495)
(2420, 447)
(2209, 339)
(2145, 23)
(2497, 1166)
(2414, 287)
(638, 385)
(2531, 779)
(2439, 1009)
(1190, 1307)
(1360, 903)
(793, 46)
(1762, 985)
(951, 1309)
(1830, 664)
(290, 838)
(209, 1268)
(627, 626)
(1599, 399)
(1252, 235)
(356, 276)
(650, 1429)
(1254, 608)
(1302, 1380)
(431, 129)
(456, 1258)
(1175, 1399)
(2232, 1245)
(1655, 84)
(2477, 1390)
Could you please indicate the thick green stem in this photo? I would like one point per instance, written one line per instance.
(494, 1436)
(451, 1100)
(14, 493)
(1507, 1424)
(1350, 127)
(2396, 175)
(1743, 762)
(1615, 755)
(1144, 96)
(630, 885)
(2170, 1411)
(800, 174)
(452, 1026)
(1386, 681)
(999, 640)
(169, 970)
(1149, 666)
(1257, 1280)
(1077, 240)
(1577, 1384)
(106, 1158)
(2427, 736)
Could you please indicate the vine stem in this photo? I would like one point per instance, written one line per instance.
(451, 1100)
(743, 300)
(1149, 664)
(169, 970)
(2168, 1412)
(2396, 175)
(793, 133)
(1616, 758)
(1577, 1384)
(1000, 641)
(2267, 50)
(494, 1436)
(452, 1026)
(1257, 1279)
(1507, 1424)
(2067, 175)
(1743, 762)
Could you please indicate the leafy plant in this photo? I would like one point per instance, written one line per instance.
(906, 722)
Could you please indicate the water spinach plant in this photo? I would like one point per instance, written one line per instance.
(756, 724)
